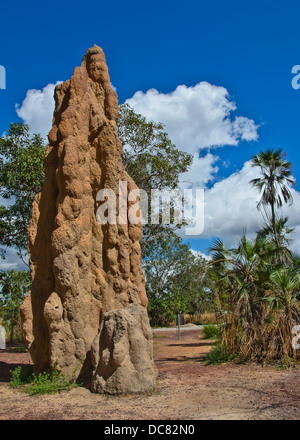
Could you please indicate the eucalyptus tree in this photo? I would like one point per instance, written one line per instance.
(153, 161)
(21, 177)
(174, 280)
(150, 158)
(14, 286)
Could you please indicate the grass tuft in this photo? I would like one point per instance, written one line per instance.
(218, 355)
(43, 383)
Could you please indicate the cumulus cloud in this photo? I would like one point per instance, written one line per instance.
(196, 117)
(293, 214)
(230, 206)
(230, 209)
(37, 109)
(200, 173)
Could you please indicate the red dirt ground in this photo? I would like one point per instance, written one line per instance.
(187, 390)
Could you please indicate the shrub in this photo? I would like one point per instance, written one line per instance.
(210, 331)
(219, 355)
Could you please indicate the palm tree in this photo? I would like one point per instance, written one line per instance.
(274, 183)
(261, 301)
(243, 271)
(281, 237)
(283, 295)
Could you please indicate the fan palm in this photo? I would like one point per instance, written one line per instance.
(281, 237)
(245, 268)
(283, 294)
(274, 183)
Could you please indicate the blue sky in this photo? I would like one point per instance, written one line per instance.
(245, 47)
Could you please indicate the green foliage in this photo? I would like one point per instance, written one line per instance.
(149, 155)
(210, 331)
(20, 376)
(174, 278)
(219, 354)
(21, 177)
(153, 162)
(14, 286)
(173, 272)
(44, 383)
(275, 177)
(258, 299)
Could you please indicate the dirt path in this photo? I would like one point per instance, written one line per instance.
(188, 390)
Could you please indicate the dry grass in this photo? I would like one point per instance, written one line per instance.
(198, 318)
(266, 339)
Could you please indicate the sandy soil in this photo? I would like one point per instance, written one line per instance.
(188, 390)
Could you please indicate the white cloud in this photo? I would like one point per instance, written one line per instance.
(201, 117)
(196, 117)
(37, 109)
(5, 202)
(200, 173)
(295, 236)
(230, 208)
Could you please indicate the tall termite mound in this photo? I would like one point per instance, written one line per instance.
(86, 313)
